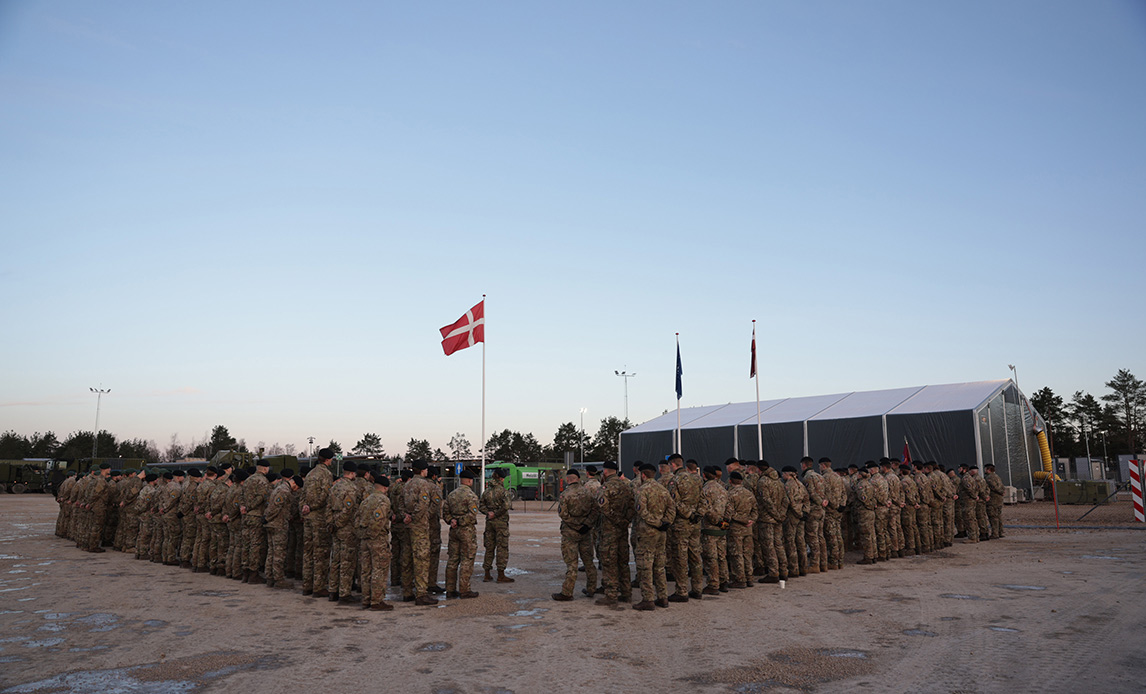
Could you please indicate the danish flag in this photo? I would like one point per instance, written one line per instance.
(467, 331)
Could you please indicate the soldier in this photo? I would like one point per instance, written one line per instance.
(276, 520)
(188, 524)
(129, 512)
(883, 512)
(996, 492)
(952, 481)
(867, 504)
(373, 524)
(96, 503)
(294, 527)
(742, 513)
(233, 518)
(751, 482)
(940, 490)
(794, 523)
(655, 513)
(111, 516)
(851, 536)
(63, 496)
(910, 507)
(172, 522)
(817, 490)
(256, 492)
(344, 546)
(315, 513)
(969, 493)
(961, 501)
(684, 536)
(713, 508)
(981, 505)
(615, 501)
(416, 504)
(578, 511)
(923, 513)
(773, 503)
(895, 507)
(220, 536)
(201, 551)
(435, 477)
(495, 505)
(837, 498)
(460, 514)
(593, 486)
(665, 470)
(144, 503)
(400, 537)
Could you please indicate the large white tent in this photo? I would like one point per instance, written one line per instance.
(974, 423)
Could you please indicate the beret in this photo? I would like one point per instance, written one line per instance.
(168, 476)
(297, 480)
(573, 471)
(325, 454)
(591, 469)
(349, 466)
(788, 468)
(500, 472)
(178, 473)
(825, 459)
(272, 476)
(467, 475)
(287, 472)
(609, 465)
(647, 467)
(241, 475)
(151, 477)
(730, 461)
(194, 472)
(382, 480)
(420, 465)
(735, 476)
(105, 466)
(407, 474)
(675, 456)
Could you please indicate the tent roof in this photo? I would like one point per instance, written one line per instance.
(951, 397)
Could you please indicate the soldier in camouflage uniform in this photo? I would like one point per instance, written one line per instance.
(220, 535)
(96, 504)
(373, 525)
(685, 534)
(895, 509)
(416, 501)
(939, 494)
(144, 503)
(294, 528)
(911, 544)
(817, 490)
(63, 494)
(956, 477)
(188, 527)
(78, 530)
(256, 492)
(111, 514)
(742, 514)
(882, 512)
(996, 491)
(794, 533)
(495, 505)
(400, 537)
(459, 511)
(154, 520)
(172, 523)
(953, 483)
(129, 512)
(344, 500)
(435, 531)
(833, 514)
(201, 552)
(655, 513)
(773, 503)
(981, 505)
(713, 508)
(578, 512)
(316, 526)
(923, 513)
(751, 482)
(233, 517)
(969, 494)
(866, 506)
(616, 511)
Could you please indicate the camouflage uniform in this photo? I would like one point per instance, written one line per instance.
(435, 533)
(373, 525)
(172, 523)
(344, 548)
(615, 506)
(277, 518)
(144, 503)
(220, 535)
(949, 508)
(201, 552)
(883, 496)
(833, 515)
(814, 527)
(188, 525)
(981, 506)
(256, 491)
(713, 510)
(98, 502)
(907, 515)
(129, 514)
(997, 491)
(894, 513)
(923, 513)
(63, 494)
(940, 490)
(416, 498)
(578, 511)
(461, 506)
(495, 539)
(773, 502)
(294, 536)
(794, 527)
(316, 529)
(960, 503)
(969, 495)
(684, 537)
(156, 521)
(399, 540)
(867, 505)
(654, 509)
(742, 514)
(233, 567)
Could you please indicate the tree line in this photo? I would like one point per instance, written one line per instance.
(1110, 424)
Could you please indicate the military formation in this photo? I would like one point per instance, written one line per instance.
(708, 534)
(345, 539)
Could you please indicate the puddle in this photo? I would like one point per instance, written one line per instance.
(843, 653)
(535, 613)
(155, 624)
(11, 611)
(43, 643)
(511, 627)
(1014, 587)
(215, 593)
(54, 615)
(10, 659)
(1068, 572)
(1101, 556)
(957, 596)
(18, 571)
(434, 647)
(53, 626)
(1004, 629)
(85, 650)
(10, 556)
(918, 632)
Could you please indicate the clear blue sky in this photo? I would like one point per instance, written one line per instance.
(258, 214)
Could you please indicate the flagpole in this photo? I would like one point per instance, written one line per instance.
(756, 372)
(678, 441)
(483, 397)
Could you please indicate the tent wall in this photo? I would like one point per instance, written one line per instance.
(945, 437)
(708, 446)
(846, 440)
(650, 447)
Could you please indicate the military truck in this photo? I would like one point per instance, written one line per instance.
(528, 482)
(19, 476)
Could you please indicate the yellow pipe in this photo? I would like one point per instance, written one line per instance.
(1048, 464)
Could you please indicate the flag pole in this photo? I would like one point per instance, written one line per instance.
(678, 393)
(756, 374)
(483, 398)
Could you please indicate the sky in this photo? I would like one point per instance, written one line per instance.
(259, 214)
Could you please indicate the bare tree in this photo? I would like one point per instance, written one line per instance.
(175, 450)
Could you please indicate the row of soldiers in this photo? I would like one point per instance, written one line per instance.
(708, 535)
(262, 527)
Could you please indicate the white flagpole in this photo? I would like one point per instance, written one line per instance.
(678, 439)
(756, 368)
(485, 323)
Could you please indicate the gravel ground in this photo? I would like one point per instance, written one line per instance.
(1037, 611)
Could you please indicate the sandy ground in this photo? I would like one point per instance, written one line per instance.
(1039, 611)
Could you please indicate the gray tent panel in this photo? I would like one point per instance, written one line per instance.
(949, 397)
(945, 437)
(846, 440)
(650, 447)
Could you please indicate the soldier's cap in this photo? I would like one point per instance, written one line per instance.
(467, 475)
(304, 469)
(731, 461)
(972, 469)
(735, 476)
(990, 465)
(591, 470)
(647, 467)
(272, 476)
(287, 472)
(240, 475)
(420, 465)
(325, 454)
(178, 473)
(105, 466)
(853, 466)
(674, 456)
(788, 468)
(262, 463)
(884, 460)
(211, 469)
(168, 476)
(407, 474)
(610, 465)
(151, 477)
(806, 459)
(500, 472)
(382, 480)
(349, 466)
(826, 459)
(895, 460)
(116, 473)
(226, 466)
(963, 465)
(194, 472)
(751, 463)
(573, 472)
(764, 465)
(871, 465)
(249, 470)
(905, 468)
(298, 480)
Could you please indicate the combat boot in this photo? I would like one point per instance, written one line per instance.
(246, 577)
(694, 595)
(333, 597)
(813, 570)
(502, 578)
(468, 594)
(678, 597)
(771, 579)
(435, 589)
(321, 593)
(425, 601)
(381, 606)
(710, 590)
(561, 597)
(185, 565)
(256, 579)
(723, 587)
(737, 584)
(661, 602)
(605, 601)
(645, 605)
(865, 561)
(487, 578)
(452, 594)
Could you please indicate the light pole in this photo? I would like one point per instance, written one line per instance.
(582, 437)
(626, 375)
(1104, 461)
(310, 447)
(95, 434)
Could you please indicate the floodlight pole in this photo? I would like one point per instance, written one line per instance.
(95, 434)
(582, 437)
(626, 375)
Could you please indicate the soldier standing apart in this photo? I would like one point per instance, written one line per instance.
(685, 489)
(578, 512)
(655, 513)
(416, 499)
(435, 536)
(742, 513)
(256, 491)
(996, 492)
(794, 523)
(277, 519)
(316, 526)
(344, 553)
(834, 513)
(495, 505)
(460, 514)
(866, 507)
(773, 502)
(969, 492)
(62, 496)
(713, 508)
(373, 523)
(615, 501)
(814, 527)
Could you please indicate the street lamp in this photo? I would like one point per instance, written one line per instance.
(583, 411)
(626, 375)
(310, 447)
(95, 434)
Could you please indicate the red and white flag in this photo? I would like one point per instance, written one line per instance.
(466, 331)
(752, 371)
(906, 452)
